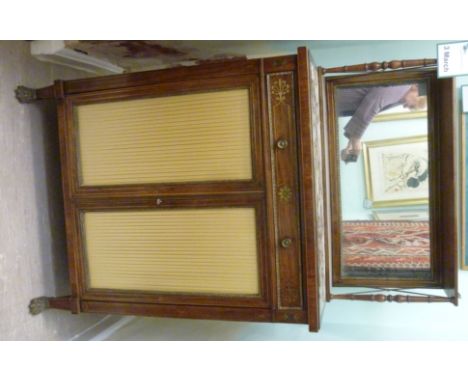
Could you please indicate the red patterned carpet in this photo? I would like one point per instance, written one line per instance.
(386, 245)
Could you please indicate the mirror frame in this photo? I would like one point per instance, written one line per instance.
(442, 172)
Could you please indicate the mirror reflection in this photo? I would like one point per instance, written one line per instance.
(384, 180)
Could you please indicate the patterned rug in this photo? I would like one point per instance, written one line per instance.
(386, 246)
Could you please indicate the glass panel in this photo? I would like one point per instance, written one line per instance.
(210, 250)
(384, 181)
(184, 138)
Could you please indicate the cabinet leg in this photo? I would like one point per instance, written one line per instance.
(25, 95)
(39, 304)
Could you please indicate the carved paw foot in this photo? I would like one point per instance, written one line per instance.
(38, 305)
(25, 95)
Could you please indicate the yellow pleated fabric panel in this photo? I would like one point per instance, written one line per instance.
(193, 250)
(184, 138)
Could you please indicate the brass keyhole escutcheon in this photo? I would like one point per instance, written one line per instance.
(286, 242)
(282, 144)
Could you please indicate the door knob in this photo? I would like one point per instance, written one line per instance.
(286, 242)
(282, 144)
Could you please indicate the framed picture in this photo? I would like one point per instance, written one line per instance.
(401, 112)
(398, 113)
(407, 214)
(396, 171)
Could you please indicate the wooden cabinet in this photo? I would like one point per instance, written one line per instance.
(205, 191)
(182, 192)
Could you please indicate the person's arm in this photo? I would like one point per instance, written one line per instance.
(377, 99)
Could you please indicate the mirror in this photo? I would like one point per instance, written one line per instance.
(383, 177)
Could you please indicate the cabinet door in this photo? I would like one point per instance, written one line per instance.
(204, 253)
(166, 194)
(199, 136)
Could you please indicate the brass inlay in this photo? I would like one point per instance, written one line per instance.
(279, 89)
(284, 193)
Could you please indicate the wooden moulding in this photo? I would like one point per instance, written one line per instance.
(306, 170)
(381, 66)
(326, 182)
(270, 243)
(447, 191)
(392, 298)
(281, 106)
(294, 316)
(178, 311)
(70, 217)
(225, 69)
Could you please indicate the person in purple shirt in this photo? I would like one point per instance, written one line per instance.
(364, 103)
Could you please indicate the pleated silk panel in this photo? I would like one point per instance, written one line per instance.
(200, 250)
(184, 138)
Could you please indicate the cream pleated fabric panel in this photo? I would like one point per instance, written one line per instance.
(184, 138)
(203, 250)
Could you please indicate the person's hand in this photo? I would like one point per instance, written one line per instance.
(352, 150)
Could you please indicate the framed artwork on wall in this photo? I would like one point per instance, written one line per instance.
(400, 113)
(386, 116)
(396, 171)
(407, 214)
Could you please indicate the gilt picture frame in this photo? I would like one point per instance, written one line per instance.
(400, 112)
(402, 214)
(396, 172)
(399, 115)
